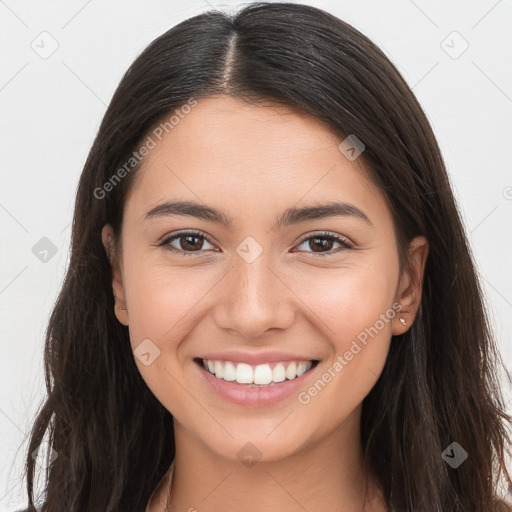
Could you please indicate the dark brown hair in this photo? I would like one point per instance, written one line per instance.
(113, 439)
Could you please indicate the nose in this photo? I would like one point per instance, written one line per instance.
(255, 298)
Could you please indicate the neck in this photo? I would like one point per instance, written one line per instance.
(327, 475)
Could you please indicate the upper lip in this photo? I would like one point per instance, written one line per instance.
(254, 358)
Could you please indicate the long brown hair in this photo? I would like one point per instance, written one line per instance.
(113, 439)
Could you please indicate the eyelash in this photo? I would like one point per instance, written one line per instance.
(344, 242)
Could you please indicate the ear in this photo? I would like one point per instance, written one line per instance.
(411, 285)
(121, 310)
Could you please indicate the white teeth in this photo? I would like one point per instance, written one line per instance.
(262, 374)
(219, 369)
(229, 371)
(301, 368)
(278, 373)
(259, 375)
(291, 371)
(244, 373)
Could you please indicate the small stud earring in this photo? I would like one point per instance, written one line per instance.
(403, 321)
(115, 302)
(116, 305)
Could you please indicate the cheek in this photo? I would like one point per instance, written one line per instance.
(162, 300)
(161, 305)
(357, 314)
(165, 305)
(352, 300)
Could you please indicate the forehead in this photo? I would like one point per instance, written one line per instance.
(227, 152)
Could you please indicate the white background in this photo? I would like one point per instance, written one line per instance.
(51, 109)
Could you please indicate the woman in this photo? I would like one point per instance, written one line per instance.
(271, 303)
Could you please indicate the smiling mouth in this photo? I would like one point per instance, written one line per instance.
(261, 375)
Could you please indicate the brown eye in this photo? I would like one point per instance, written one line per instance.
(190, 242)
(323, 243)
(185, 243)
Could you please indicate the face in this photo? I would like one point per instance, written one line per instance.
(257, 279)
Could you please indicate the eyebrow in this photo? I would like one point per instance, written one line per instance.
(289, 217)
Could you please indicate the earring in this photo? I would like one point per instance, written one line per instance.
(118, 314)
(403, 321)
(116, 306)
(115, 301)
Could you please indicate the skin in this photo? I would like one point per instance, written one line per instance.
(298, 297)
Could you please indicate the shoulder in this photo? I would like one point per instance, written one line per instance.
(504, 504)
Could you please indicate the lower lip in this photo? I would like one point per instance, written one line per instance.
(257, 396)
